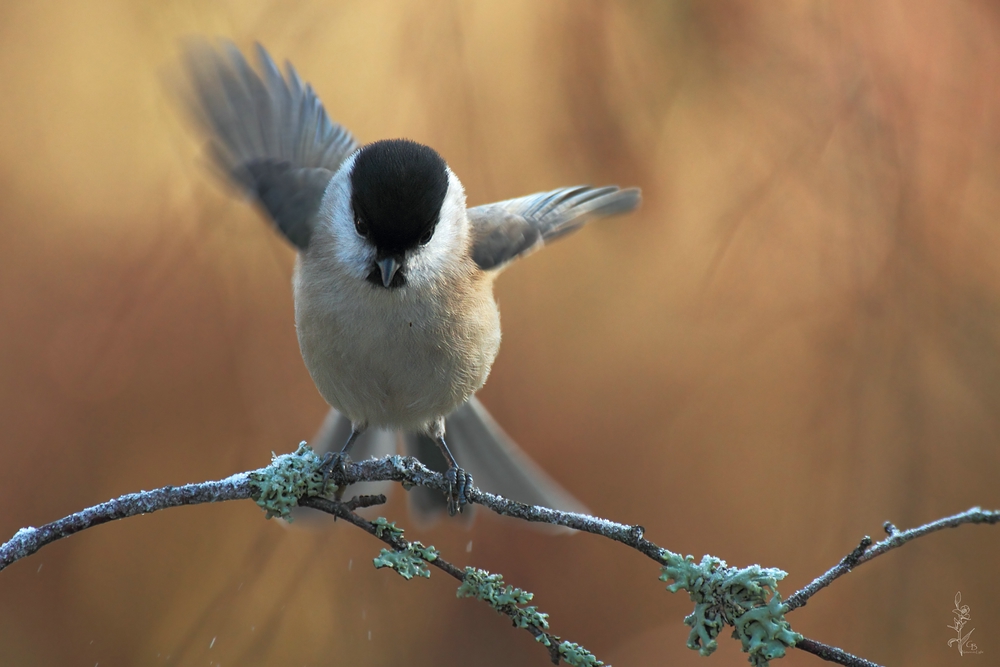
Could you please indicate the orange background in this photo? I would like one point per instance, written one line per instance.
(793, 341)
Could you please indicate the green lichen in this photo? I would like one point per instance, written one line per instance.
(409, 562)
(571, 653)
(383, 526)
(511, 601)
(508, 600)
(737, 597)
(278, 487)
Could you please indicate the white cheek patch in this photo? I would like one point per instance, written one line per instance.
(341, 243)
(449, 242)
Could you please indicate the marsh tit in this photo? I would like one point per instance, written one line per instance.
(393, 285)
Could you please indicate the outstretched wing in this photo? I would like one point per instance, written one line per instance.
(267, 132)
(509, 229)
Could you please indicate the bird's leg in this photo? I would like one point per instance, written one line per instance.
(335, 460)
(459, 482)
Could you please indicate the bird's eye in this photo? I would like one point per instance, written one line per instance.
(426, 238)
(360, 226)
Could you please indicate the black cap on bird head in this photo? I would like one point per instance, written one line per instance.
(397, 189)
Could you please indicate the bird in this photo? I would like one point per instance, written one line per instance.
(393, 283)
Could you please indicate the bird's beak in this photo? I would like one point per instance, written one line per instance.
(388, 268)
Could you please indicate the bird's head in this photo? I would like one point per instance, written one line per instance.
(407, 213)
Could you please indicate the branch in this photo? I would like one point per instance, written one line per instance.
(897, 538)
(833, 654)
(29, 540)
(292, 479)
(392, 536)
(411, 472)
(259, 485)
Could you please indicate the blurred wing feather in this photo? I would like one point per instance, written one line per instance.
(509, 229)
(268, 133)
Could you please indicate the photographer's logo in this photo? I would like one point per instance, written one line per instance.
(962, 617)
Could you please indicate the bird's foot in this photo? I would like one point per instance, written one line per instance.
(459, 484)
(333, 462)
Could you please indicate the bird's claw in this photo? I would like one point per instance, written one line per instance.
(333, 462)
(459, 484)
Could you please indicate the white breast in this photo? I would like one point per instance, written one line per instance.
(396, 358)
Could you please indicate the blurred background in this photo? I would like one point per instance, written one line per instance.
(796, 339)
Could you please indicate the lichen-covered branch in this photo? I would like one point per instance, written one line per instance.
(410, 559)
(745, 599)
(513, 602)
(723, 595)
(411, 472)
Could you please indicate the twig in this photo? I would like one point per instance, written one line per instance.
(846, 564)
(360, 502)
(897, 538)
(343, 511)
(833, 654)
(29, 540)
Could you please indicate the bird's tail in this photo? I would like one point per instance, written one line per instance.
(495, 462)
(480, 446)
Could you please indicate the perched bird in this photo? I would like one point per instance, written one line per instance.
(393, 286)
